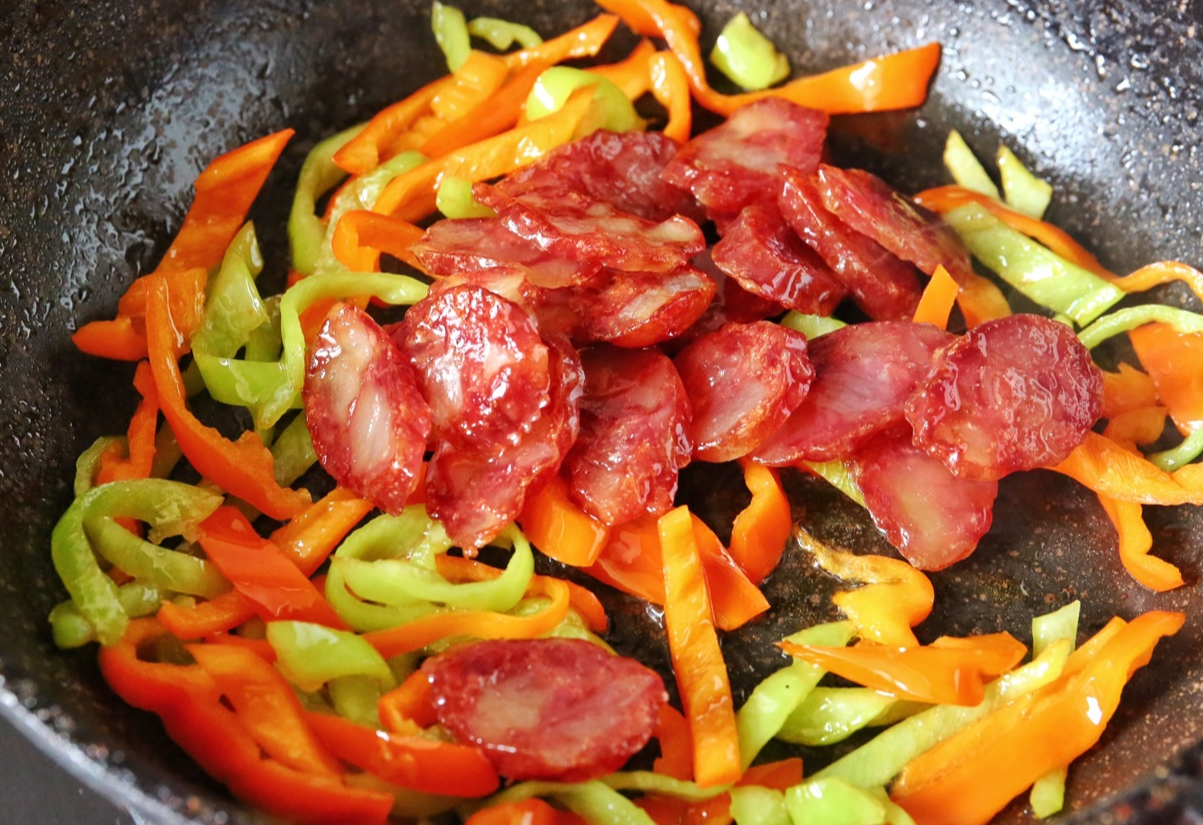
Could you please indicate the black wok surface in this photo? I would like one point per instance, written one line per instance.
(108, 110)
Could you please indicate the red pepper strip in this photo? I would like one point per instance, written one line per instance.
(696, 656)
(1107, 468)
(408, 706)
(479, 624)
(1174, 361)
(1128, 389)
(370, 147)
(532, 811)
(560, 529)
(411, 195)
(973, 775)
(144, 425)
(897, 81)
(242, 468)
(583, 41)
(423, 765)
(266, 705)
(670, 87)
(1132, 427)
(948, 672)
(1135, 541)
(1162, 272)
(631, 73)
(118, 339)
(761, 531)
(500, 112)
(582, 600)
(779, 776)
(360, 236)
(676, 745)
(217, 615)
(311, 535)
(937, 300)
(187, 290)
(946, 198)
(260, 647)
(262, 572)
(187, 699)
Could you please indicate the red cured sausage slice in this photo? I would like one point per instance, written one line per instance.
(481, 365)
(930, 515)
(863, 376)
(1012, 394)
(560, 709)
(885, 287)
(633, 439)
(593, 233)
(872, 207)
(742, 382)
(368, 420)
(767, 257)
(735, 164)
(476, 490)
(731, 304)
(621, 168)
(467, 246)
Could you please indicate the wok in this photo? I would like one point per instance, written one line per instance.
(109, 109)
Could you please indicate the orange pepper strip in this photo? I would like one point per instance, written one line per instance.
(187, 699)
(117, 339)
(370, 147)
(733, 597)
(1135, 542)
(1128, 389)
(408, 705)
(1174, 362)
(144, 424)
(478, 624)
(310, 536)
(493, 116)
(779, 776)
(411, 194)
(631, 73)
(242, 468)
(1132, 427)
(532, 811)
(670, 87)
(980, 299)
(1162, 272)
(425, 765)
(187, 290)
(476, 81)
(217, 615)
(583, 41)
(761, 531)
(897, 81)
(360, 236)
(262, 572)
(696, 656)
(935, 305)
(947, 672)
(560, 529)
(971, 776)
(946, 198)
(266, 705)
(676, 745)
(1107, 468)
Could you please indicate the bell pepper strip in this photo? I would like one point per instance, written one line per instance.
(478, 624)
(585, 40)
(266, 706)
(144, 424)
(118, 339)
(944, 199)
(532, 811)
(319, 174)
(611, 109)
(1109, 469)
(311, 535)
(965, 168)
(1135, 543)
(830, 715)
(421, 764)
(410, 195)
(676, 745)
(1162, 272)
(1022, 190)
(70, 629)
(243, 467)
(1174, 362)
(100, 462)
(450, 29)
(670, 86)
(734, 599)
(631, 73)
(755, 805)
(829, 799)
(293, 454)
(1047, 796)
(980, 300)
(696, 656)
(361, 236)
(476, 80)
(408, 706)
(493, 116)
(1133, 427)
(779, 695)
(838, 474)
(559, 528)
(363, 616)
(310, 655)
(93, 593)
(897, 81)
(371, 146)
(219, 614)
(262, 572)
(893, 597)
(187, 699)
(812, 326)
(747, 57)
(949, 671)
(233, 308)
(935, 305)
(1127, 389)
(503, 34)
(1130, 318)
(970, 777)
(879, 760)
(762, 529)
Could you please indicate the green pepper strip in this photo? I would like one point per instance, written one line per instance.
(830, 715)
(94, 593)
(171, 509)
(502, 34)
(451, 33)
(88, 462)
(356, 698)
(1129, 318)
(310, 655)
(747, 57)
(754, 805)
(71, 629)
(812, 326)
(774, 699)
(319, 174)
(661, 785)
(833, 801)
(1047, 796)
(596, 801)
(1040, 274)
(233, 308)
(364, 617)
(965, 168)
(1175, 457)
(837, 474)
(1023, 191)
(263, 344)
(293, 452)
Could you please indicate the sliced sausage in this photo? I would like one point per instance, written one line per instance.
(484, 246)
